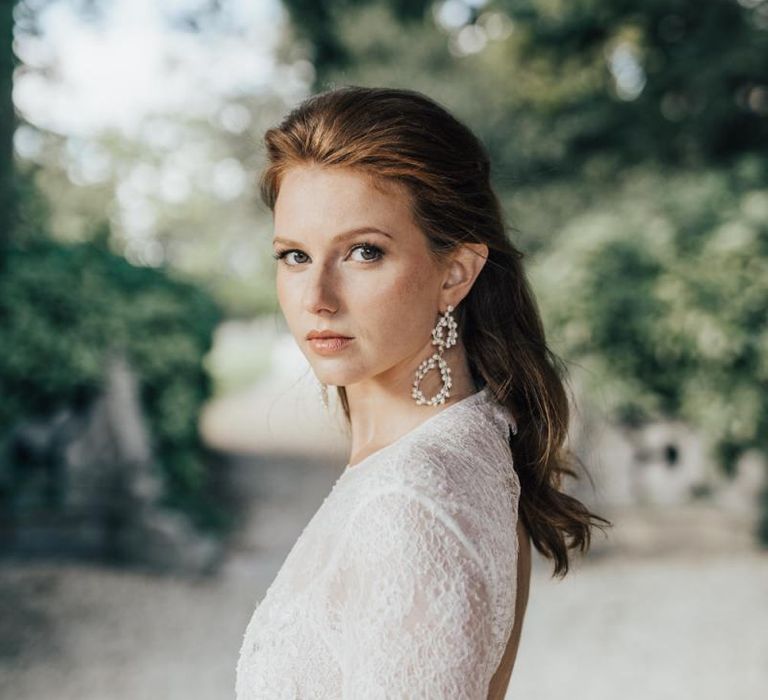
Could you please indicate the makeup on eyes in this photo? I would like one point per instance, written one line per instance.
(380, 253)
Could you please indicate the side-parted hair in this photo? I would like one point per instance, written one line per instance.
(403, 137)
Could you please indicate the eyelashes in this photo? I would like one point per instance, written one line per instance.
(281, 254)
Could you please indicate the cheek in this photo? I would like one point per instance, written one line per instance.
(289, 288)
(387, 293)
(397, 308)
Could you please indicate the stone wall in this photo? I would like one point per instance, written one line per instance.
(85, 482)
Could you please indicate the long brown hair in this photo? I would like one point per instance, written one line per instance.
(403, 136)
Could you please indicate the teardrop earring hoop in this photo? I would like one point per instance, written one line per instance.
(446, 321)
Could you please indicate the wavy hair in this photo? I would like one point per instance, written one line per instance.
(403, 136)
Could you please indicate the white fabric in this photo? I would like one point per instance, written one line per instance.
(403, 583)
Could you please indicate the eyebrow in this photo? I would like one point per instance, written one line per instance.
(339, 236)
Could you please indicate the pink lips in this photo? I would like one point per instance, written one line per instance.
(325, 346)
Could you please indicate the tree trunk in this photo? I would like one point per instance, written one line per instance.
(7, 125)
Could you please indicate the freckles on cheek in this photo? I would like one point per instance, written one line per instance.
(415, 290)
(411, 282)
(397, 297)
(398, 308)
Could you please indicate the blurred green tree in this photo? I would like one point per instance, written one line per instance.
(64, 305)
(62, 308)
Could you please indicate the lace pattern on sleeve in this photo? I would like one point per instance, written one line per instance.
(413, 604)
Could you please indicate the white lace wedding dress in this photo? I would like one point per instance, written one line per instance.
(403, 583)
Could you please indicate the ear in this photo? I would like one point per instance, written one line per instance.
(463, 268)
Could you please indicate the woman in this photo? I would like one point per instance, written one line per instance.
(398, 282)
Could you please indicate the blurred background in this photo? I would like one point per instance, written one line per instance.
(161, 442)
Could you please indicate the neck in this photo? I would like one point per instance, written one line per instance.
(382, 411)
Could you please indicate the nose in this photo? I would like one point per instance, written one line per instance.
(320, 293)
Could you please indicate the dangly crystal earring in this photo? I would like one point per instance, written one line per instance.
(322, 391)
(448, 321)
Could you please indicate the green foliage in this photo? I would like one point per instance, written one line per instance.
(317, 21)
(63, 306)
(690, 74)
(663, 290)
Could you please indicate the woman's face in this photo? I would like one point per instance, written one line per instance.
(337, 273)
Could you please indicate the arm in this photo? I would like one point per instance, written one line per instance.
(413, 606)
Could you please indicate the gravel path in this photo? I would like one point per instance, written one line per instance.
(655, 614)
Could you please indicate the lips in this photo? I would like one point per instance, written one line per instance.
(312, 335)
(328, 346)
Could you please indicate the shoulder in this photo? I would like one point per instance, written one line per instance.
(469, 441)
(468, 468)
(405, 526)
(477, 490)
(402, 510)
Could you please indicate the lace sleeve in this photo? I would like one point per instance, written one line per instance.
(414, 608)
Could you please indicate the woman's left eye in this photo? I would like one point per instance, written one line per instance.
(367, 246)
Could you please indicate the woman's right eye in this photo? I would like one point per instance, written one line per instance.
(281, 254)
